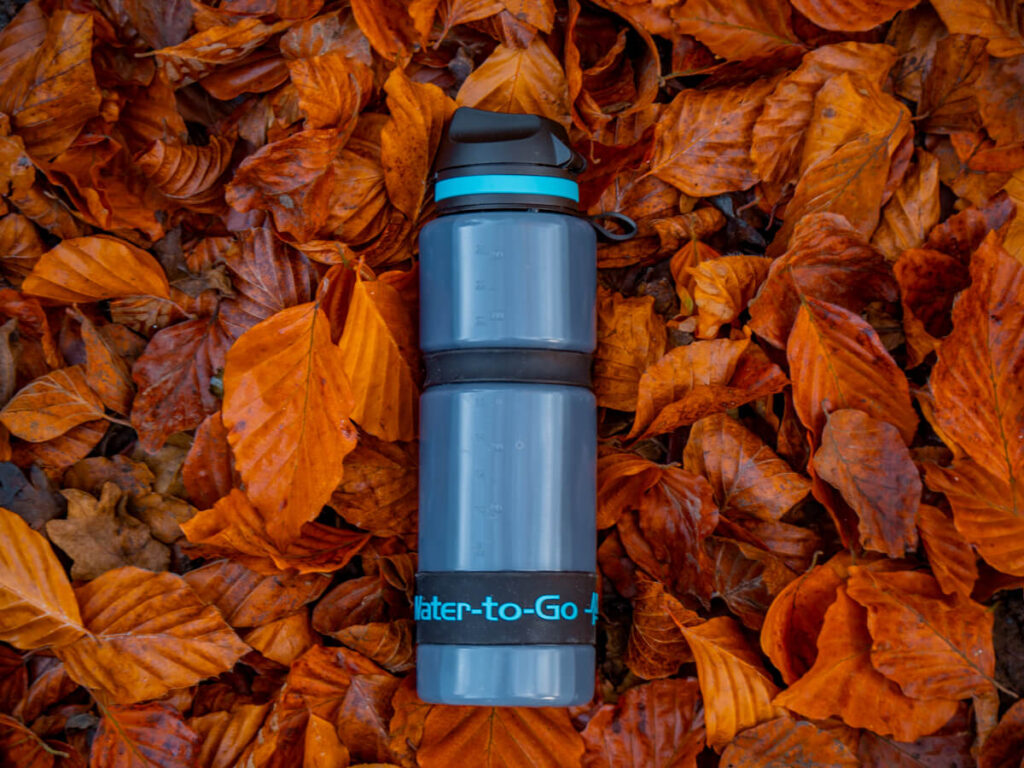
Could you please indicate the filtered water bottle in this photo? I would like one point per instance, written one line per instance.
(506, 600)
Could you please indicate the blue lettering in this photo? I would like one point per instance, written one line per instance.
(435, 606)
(501, 611)
(448, 611)
(539, 606)
(592, 610)
(488, 605)
(565, 611)
(465, 607)
(421, 614)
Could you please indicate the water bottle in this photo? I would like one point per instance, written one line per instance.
(506, 600)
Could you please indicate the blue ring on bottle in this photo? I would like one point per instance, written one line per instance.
(506, 184)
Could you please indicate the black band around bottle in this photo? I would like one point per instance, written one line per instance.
(506, 607)
(536, 366)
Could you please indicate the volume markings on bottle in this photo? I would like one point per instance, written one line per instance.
(546, 607)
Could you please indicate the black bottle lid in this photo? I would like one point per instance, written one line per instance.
(499, 161)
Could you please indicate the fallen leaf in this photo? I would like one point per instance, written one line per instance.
(994, 20)
(741, 31)
(390, 644)
(283, 640)
(225, 735)
(378, 492)
(785, 742)
(51, 405)
(656, 647)
(630, 337)
(722, 289)
(286, 402)
(209, 471)
(332, 88)
(153, 734)
(953, 561)
(1005, 745)
(106, 372)
(746, 577)
(851, 15)
(148, 634)
(99, 535)
(912, 211)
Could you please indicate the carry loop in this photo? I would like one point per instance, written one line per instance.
(628, 225)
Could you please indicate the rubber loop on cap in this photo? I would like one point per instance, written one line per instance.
(629, 226)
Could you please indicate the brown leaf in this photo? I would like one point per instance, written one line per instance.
(851, 15)
(146, 734)
(837, 361)
(656, 647)
(1004, 747)
(234, 528)
(700, 379)
(739, 31)
(99, 536)
(56, 455)
(735, 687)
(332, 88)
(976, 380)
(912, 211)
(390, 644)
(388, 26)
(745, 474)
(378, 492)
(702, 140)
(843, 683)
(722, 289)
(995, 20)
(248, 599)
(855, 130)
(209, 471)
(87, 269)
(746, 577)
(778, 137)
(225, 735)
(786, 742)
(654, 725)
(186, 171)
(527, 80)
(106, 372)
(406, 728)
(221, 44)
(929, 282)
(56, 92)
(419, 112)
(543, 737)
(867, 462)
(952, 559)
(51, 405)
(283, 640)
(21, 246)
(949, 98)
(149, 634)
(286, 401)
(35, 596)
(173, 376)
(934, 647)
(630, 337)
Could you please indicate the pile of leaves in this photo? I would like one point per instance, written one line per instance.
(810, 375)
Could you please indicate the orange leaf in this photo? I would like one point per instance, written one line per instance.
(654, 725)
(912, 211)
(1004, 748)
(851, 15)
(406, 729)
(736, 688)
(748, 478)
(867, 462)
(208, 471)
(286, 402)
(527, 80)
(979, 403)
(746, 577)
(106, 372)
(292, 178)
(56, 93)
(855, 130)
(408, 142)
(56, 455)
(20, 243)
(778, 136)
(987, 511)
(36, 599)
(490, 736)
(630, 337)
(377, 352)
(389, 643)
(656, 647)
(952, 559)
(994, 20)
(148, 734)
(378, 491)
(217, 45)
(332, 88)
(234, 528)
(225, 735)
(699, 379)
(741, 30)
(185, 171)
(173, 376)
(843, 683)
(934, 647)
(837, 361)
(283, 640)
(248, 599)
(51, 405)
(827, 259)
(149, 634)
(21, 746)
(323, 748)
(388, 26)
(949, 97)
(788, 742)
(702, 140)
(85, 269)
(722, 289)
(692, 254)
(929, 282)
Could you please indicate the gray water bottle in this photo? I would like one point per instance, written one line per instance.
(506, 601)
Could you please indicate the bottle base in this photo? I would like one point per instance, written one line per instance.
(505, 675)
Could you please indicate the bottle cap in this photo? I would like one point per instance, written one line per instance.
(498, 161)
